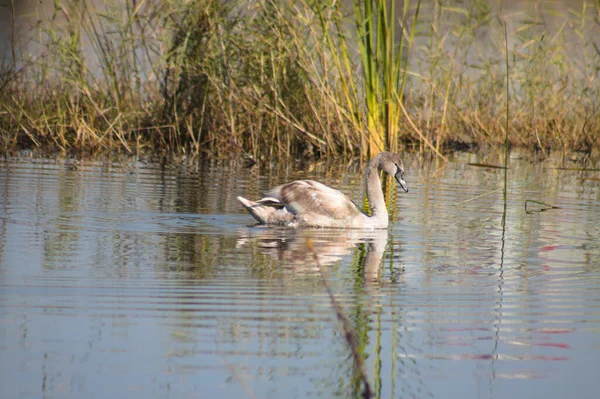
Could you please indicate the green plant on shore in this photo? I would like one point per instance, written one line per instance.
(383, 67)
(370, 100)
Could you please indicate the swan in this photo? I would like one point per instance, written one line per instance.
(308, 203)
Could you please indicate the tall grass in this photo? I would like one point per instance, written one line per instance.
(384, 69)
(295, 79)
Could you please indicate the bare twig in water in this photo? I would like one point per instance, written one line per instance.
(578, 169)
(348, 332)
(506, 142)
(544, 208)
(478, 196)
(485, 165)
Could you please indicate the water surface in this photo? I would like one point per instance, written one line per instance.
(129, 280)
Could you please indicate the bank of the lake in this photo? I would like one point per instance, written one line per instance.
(298, 79)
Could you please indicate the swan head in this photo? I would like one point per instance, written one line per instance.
(393, 165)
(399, 175)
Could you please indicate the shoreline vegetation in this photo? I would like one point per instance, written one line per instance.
(294, 79)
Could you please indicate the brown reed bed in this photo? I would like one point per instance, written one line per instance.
(288, 79)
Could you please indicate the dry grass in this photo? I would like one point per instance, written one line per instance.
(284, 79)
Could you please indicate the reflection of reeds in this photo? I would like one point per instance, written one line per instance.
(349, 334)
(235, 374)
(290, 79)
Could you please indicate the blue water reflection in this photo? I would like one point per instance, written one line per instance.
(133, 280)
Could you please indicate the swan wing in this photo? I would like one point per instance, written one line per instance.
(304, 197)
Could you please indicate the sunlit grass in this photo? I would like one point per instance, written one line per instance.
(301, 79)
(383, 67)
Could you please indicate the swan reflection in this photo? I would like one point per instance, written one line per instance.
(293, 246)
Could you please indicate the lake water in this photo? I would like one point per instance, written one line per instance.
(129, 280)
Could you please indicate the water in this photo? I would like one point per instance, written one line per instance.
(134, 281)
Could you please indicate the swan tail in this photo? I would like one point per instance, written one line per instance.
(267, 210)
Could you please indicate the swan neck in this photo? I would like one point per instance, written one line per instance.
(374, 191)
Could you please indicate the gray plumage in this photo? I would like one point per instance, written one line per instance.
(312, 204)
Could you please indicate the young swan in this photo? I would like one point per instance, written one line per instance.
(312, 204)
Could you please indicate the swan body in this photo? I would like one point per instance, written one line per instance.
(309, 203)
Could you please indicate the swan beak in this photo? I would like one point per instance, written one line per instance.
(400, 179)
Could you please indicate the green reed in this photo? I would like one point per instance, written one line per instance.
(384, 68)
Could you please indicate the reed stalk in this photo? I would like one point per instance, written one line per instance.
(506, 152)
(507, 121)
(384, 68)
